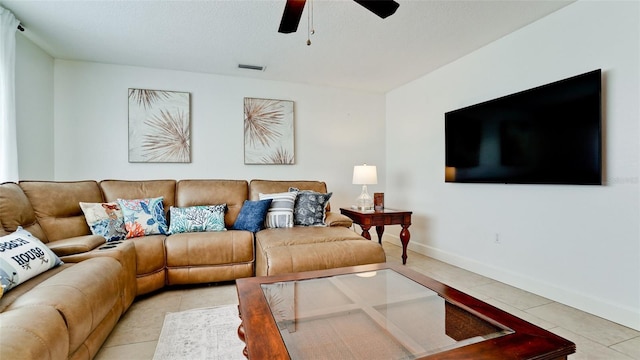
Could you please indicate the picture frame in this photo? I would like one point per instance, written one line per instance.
(159, 126)
(268, 132)
(378, 201)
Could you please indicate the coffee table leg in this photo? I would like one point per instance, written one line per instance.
(404, 237)
(380, 231)
(245, 352)
(241, 335)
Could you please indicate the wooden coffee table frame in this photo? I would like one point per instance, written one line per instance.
(263, 341)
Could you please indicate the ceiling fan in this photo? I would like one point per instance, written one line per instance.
(293, 12)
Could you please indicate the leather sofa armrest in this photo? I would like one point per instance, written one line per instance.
(125, 253)
(75, 245)
(335, 219)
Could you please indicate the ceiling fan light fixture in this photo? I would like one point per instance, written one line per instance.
(251, 67)
(293, 12)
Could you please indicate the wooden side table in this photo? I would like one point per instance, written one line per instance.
(380, 218)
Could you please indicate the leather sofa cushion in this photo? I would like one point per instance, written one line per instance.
(210, 248)
(34, 332)
(213, 192)
(84, 294)
(16, 210)
(130, 190)
(57, 206)
(150, 253)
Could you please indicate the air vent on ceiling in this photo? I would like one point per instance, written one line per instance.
(251, 67)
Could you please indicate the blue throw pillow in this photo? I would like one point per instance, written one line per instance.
(252, 215)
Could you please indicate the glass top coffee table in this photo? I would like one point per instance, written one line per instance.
(380, 311)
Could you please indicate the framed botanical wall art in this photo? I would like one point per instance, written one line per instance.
(159, 126)
(268, 132)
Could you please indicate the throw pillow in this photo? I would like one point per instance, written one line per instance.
(280, 213)
(310, 207)
(23, 256)
(105, 219)
(252, 215)
(143, 217)
(197, 218)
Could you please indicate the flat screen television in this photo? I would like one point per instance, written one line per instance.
(550, 134)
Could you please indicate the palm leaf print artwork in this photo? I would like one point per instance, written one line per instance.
(168, 137)
(159, 126)
(146, 97)
(268, 131)
(279, 156)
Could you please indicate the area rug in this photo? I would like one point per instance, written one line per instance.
(208, 333)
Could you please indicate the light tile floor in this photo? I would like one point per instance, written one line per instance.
(137, 333)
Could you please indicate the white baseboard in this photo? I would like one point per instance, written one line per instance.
(599, 307)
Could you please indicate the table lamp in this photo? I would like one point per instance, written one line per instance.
(364, 175)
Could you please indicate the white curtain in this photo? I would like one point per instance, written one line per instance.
(8, 139)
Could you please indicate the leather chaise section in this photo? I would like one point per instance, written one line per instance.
(296, 249)
(90, 290)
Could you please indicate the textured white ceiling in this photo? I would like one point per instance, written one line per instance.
(352, 48)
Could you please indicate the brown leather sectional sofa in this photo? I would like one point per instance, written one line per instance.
(68, 311)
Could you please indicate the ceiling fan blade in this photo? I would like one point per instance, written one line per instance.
(291, 16)
(382, 8)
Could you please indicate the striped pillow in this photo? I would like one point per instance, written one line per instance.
(280, 213)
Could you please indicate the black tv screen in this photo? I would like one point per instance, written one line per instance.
(550, 134)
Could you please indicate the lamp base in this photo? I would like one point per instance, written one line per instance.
(364, 202)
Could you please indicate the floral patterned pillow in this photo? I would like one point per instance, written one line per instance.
(197, 218)
(104, 219)
(143, 217)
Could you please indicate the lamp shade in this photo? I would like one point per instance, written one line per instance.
(365, 174)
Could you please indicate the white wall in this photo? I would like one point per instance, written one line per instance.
(91, 127)
(34, 110)
(579, 245)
